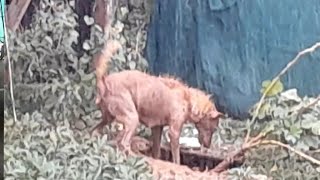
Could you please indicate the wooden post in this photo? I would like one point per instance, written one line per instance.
(15, 13)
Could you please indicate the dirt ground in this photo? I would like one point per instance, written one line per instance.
(196, 163)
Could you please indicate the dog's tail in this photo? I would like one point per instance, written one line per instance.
(101, 65)
(102, 58)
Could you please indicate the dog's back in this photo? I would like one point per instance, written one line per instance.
(154, 101)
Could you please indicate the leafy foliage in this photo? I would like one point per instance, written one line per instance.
(55, 88)
(49, 75)
(54, 79)
(35, 149)
(291, 120)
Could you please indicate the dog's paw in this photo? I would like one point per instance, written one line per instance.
(95, 134)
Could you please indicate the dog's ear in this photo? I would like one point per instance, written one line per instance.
(195, 113)
(216, 114)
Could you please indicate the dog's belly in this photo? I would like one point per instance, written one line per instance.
(152, 122)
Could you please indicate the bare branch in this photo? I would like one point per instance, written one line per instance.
(254, 142)
(309, 158)
(10, 75)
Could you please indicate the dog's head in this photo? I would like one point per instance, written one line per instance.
(204, 114)
(206, 127)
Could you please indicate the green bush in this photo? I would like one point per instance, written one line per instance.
(35, 149)
(54, 89)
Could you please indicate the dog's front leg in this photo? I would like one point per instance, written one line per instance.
(174, 134)
(156, 138)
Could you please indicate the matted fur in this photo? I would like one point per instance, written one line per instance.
(131, 96)
(199, 101)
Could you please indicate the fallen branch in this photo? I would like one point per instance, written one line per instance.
(222, 166)
(234, 155)
(254, 142)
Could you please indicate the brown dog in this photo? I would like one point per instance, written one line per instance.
(202, 112)
(133, 96)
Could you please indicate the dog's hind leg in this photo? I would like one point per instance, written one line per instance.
(130, 123)
(97, 130)
(124, 111)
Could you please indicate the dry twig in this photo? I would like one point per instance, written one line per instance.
(300, 153)
(10, 75)
(254, 142)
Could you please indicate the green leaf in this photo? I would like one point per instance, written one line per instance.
(276, 89)
(316, 128)
(309, 141)
(266, 83)
(308, 121)
(270, 127)
(139, 162)
(265, 108)
(289, 137)
(295, 131)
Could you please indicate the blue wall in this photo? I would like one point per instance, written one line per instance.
(228, 47)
